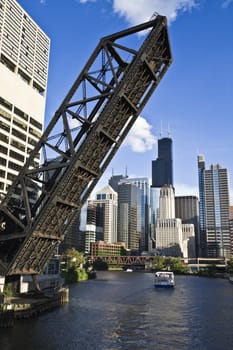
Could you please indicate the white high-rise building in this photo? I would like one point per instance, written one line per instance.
(172, 237)
(166, 203)
(102, 217)
(24, 56)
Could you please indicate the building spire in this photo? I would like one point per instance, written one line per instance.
(161, 129)
(168, 130)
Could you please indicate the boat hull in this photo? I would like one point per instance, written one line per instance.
(164, 285)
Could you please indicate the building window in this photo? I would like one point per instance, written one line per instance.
(3, 149)
(7, 63)
(5, 104)
(35, 123)
(11, 176)
(5, 126)
(18, 145)
(5, 115)
(24, 77)
(2, 161)
(4, 138)
(14, 166)
(20, 124)
(20, 113)
(35, 133)
(17, 156)
(18, 134)
(2, 173)
(39, 89)
(32, 141)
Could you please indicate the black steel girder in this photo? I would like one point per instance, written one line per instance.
(78, 145)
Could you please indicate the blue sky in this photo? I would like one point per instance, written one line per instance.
(194, 101)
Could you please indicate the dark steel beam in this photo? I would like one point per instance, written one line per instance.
(104, 101)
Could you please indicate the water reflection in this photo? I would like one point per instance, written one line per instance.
(125, 311)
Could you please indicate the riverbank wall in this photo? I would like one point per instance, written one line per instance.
(25, 306)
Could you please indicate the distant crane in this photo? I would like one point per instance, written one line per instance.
(78, 144)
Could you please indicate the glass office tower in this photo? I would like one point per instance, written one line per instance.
(142, 183)
(214, 210)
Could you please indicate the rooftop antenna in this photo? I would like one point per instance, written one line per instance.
(161, 128)
(168, 130)
(126, 175)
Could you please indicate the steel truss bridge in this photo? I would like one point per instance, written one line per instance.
(79, 143)
(146, 260)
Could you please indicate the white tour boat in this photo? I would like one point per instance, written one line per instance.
(129, 270)
(164, 279)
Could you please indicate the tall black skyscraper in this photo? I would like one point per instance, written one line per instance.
(162, 174)
(162, 167)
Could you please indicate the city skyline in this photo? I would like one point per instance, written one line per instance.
(193, 102)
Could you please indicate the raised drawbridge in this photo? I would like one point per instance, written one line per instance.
(78, 145)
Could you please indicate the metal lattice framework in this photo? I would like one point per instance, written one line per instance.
(78, 144)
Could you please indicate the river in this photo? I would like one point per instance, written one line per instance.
(121, 310)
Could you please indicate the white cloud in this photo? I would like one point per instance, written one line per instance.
(140, 138)
(140, 11)
(226, 3)
(85, 1)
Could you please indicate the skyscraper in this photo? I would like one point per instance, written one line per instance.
(114, 181)
(102, 217)
(162, 174)
(162, 167)
(143, 184)
(106, 199)
(214, 210)
(129, 215)
(231, 227)
(172, 237)
(24, 55)
(187, 209)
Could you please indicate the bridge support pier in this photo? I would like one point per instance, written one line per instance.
(2, 284)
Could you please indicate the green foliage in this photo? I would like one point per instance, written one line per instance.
(209, 271)
(82, 275)
(158, 263)
(8, 290)
(74, 275)
(72, 258)
(70, 275)
(176, 265)
(169, 263)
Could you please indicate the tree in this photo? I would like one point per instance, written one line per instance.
(158, 263)
(73, 262)
(176, 265)
(73, 258)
